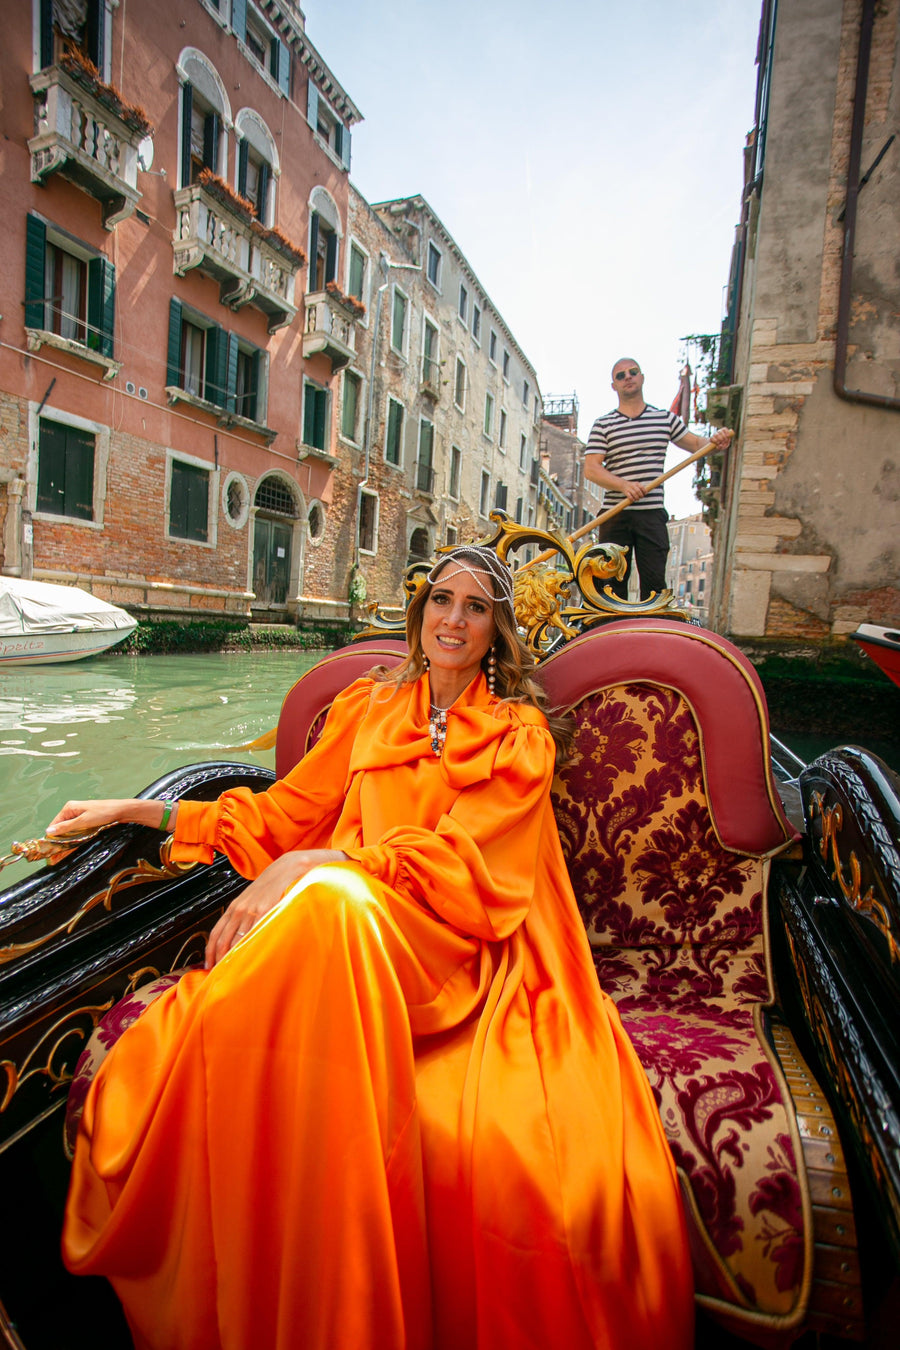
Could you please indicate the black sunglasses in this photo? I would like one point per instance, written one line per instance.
(621, 374)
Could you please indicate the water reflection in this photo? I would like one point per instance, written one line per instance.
(109, 726)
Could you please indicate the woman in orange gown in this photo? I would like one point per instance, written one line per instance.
(395, 1112)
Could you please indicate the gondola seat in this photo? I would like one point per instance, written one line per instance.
(669, 819)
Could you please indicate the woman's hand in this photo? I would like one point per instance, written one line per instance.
(83, 817)
(262, 895)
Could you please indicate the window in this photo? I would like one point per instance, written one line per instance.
(455, 471)
(459, 386)
(525, 392)
(351, 404)
(327, 126)
(214, 366)
(519, 505)
(463, 302)
(393, 440)
(63, 26)
(69, 290)
(433, 266)
(323, 252)
(523, 452)
(500, 497)
(430, 365)
(399, 312)
(255, 177)
(266, 49)
(65, 485)
(202, 142)
(476, 323)
(356, 275)
(368, 521)
(485, 496)
(315, 415)
(425, 457)
(452, 536)
(492, 348)
(189, 502)
(503, 421)
(506, 365)
(488, 414)
(315, 521)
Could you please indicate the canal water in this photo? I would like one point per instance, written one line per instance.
(109, 726)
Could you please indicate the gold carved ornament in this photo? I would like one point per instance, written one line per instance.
(541, 592)
(832, 818)
(136, 875)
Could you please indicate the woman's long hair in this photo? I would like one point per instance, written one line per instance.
(513, 678)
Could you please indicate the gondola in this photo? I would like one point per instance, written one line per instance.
(761, 986)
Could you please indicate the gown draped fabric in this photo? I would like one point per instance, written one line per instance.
(400, 1114)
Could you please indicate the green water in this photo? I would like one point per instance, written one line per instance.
(109, 726)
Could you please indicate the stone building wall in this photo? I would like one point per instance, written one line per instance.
(808, 540)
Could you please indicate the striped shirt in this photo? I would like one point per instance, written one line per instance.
(635, 448)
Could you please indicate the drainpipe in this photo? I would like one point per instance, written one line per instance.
(866, 25)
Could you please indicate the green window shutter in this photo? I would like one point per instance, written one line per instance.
(426, 443)
(394, 433)
(331, 257)
(315, 416)
(187, 110)
(321, 424)
(101, 305)
(309, 418)
(95, 32)
(312, 105)
(357, 272)
(344, 149)
(46, 42)
(262, 192)
(173, 351)
(215, 374)
(189, 502)
(256, 410)
(65, 471)
(243, 156)
(35, 264)
(231, 373)
(313, 248)
(282, 61)
(211, 141)
(239, 19)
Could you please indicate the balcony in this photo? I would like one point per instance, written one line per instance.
(225, 243)
(431, 379)
(330, 328)
(80, 135)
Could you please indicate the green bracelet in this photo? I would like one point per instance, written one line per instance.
(166, 813)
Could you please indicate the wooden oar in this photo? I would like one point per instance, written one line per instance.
(620, 506)
(263, 742)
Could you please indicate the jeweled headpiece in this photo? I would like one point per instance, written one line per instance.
(485, 560)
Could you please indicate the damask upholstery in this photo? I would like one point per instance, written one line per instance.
(676, 923)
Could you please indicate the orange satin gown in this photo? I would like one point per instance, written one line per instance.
(400, 1115)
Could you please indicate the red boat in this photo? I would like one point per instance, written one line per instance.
(883, 645)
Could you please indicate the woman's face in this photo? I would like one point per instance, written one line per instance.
(458, 625)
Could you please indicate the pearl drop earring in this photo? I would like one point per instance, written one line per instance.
(492, 670)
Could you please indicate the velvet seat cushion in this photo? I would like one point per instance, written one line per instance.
(676, 925)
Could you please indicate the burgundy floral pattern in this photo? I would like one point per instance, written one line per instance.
(675, 925)
(105, 1034)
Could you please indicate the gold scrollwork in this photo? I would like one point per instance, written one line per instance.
(136, 875)
(541, 590)
(832, 818)
(16, 1075)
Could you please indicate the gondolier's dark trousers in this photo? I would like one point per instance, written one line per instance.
(647, 538)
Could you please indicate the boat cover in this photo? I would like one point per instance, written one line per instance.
(37, 607)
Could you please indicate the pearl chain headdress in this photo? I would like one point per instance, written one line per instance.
(487, 561)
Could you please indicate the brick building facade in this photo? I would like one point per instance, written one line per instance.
(808, 533)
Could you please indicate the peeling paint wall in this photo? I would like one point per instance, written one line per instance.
(808, 538)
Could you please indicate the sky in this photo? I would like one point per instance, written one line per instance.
(585, 155)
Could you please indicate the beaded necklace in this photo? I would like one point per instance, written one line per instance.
(437, 728)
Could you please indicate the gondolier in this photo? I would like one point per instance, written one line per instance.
(625, 451)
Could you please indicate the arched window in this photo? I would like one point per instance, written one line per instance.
(258, 166)
(205, 118)
(324, 238)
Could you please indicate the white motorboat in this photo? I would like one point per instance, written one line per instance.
(42, 623)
